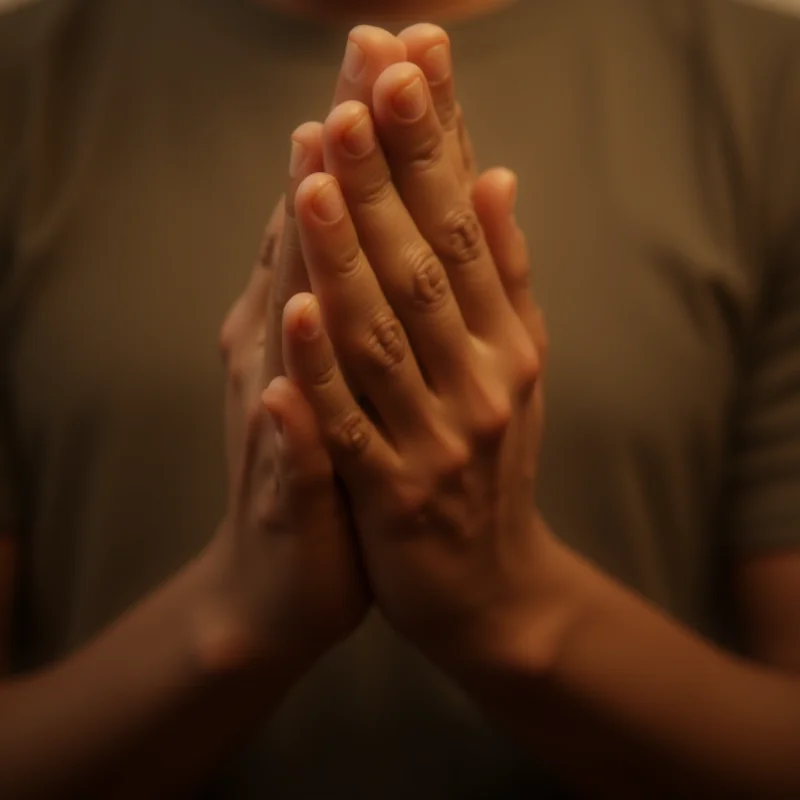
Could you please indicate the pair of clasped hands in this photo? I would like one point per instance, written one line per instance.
(383, 398)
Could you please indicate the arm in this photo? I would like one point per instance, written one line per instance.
(124, 716)
(604, 680)
(621, 699)
(597, 677)
(155, 703)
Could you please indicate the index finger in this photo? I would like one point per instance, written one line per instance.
(428, 46)
(368, 53)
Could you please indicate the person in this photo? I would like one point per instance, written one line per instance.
(382, 610)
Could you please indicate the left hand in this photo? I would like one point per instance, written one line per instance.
(442, 344)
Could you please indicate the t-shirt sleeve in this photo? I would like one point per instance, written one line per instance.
(764, 501)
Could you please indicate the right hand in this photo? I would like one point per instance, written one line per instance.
(290, 576)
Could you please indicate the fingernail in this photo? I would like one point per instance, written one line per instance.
(437, 63)
(358, 140)
(354, 61)
(296, 158)
(309, 323)
(328, 203)
(409, 102)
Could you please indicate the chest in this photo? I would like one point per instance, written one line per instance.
(128, 266)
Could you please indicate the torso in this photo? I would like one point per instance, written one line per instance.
(151, 173)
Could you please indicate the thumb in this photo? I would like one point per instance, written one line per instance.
(494, 197)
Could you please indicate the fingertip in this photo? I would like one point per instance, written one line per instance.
(308, 133)
(342, 117)
(377, 44)
(305, 159)
(311, 187)
(306, 151)
(424, 33)
(395, 76)
(510, 183)
(499, 180)
(495, 197)
(428, 46)
(301, 316)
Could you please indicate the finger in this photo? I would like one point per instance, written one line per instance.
(298, 439)
(370, 341)
(428, 46)
(244, 322)
(413, 141)
(408, 271)
(369, 52)
(355, 444)
(495, 197)
(290, 274)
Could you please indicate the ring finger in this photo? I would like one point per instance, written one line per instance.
(412, 277)
(370, 341)
(413, 141)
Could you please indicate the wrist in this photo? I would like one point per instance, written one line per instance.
(527, 633)
(228, 637)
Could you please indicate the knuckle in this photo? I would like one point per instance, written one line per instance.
(430, 288)
(492, 416)
(527, 364)
(349, 261)
(375, 192)
(386, 343)
(323, 374)
(448, 112)
(455, 455)
(350, 433)
(409, 500)
(428, 152)
(461, 239)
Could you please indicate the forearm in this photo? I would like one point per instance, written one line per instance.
(629, 702)
(147, 709)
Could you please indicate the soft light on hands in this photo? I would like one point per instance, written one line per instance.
(421, 307)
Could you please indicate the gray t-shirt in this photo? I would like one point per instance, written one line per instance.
(142, 145)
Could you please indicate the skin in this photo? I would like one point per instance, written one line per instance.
(440, 472)
(227, 636)
(534, 634)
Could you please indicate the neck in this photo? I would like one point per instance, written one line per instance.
(388, 11)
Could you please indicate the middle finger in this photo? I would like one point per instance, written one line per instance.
(414, 143)
(410, 274)
(370, 341)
